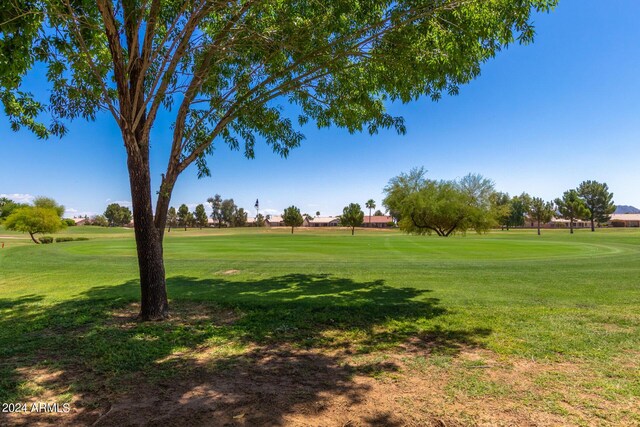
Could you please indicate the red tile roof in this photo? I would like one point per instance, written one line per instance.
(377, 219)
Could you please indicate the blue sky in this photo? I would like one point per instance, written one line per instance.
(541, 119)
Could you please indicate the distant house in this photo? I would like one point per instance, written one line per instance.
(321, 221)
(557, 223)
(80, 221)
(625, 220)
(213, 222)
(275, 221)
(564, 223)
(251, 222)
(377, 221)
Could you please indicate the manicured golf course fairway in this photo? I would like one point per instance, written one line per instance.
(542, 330)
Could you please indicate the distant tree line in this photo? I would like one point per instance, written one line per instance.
(418, 205)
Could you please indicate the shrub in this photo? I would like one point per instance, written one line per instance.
(45, 240)
(69, 222)
(69, 239)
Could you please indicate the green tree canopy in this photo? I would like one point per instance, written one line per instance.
(444, 207)
(501, 203)
(228, 210)
(292, 217)
(183, 216)
(34, 220)
(216, 208)
(400, 187)
(239, 218)
(599, 200)
(540, 211)
(7, 206)
(352, 216)
(190, 220)
(572, 207)
(200, 216)
(519, 208)
(49, 203)
(117, 215)
(222, 71)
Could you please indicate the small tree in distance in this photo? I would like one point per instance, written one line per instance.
(540, 211)
(239, 217)
(352, 216)
(216, 209)
(183, 216)
(200, 216)
(191, 219)
(292, 217)
(228, 210)
(427, 206)
(117, 215)
(518, 208)
(34, 220)
(572, 207)
(501, 203)
(599, 200)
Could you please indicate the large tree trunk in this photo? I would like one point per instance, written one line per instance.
(593, 227)
(153, 304)
(33, 238)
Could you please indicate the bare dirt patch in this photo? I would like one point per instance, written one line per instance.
(280, 385)
(425, 381)
(229, 272)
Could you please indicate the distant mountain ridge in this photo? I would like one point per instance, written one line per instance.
(625, 209)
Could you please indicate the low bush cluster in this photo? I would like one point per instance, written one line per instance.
(69, 239)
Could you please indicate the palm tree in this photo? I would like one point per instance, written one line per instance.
(371, 204)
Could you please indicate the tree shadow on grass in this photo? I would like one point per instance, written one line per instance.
(243, 352)
(14, 303)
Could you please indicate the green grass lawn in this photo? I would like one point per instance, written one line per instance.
(570, 304)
